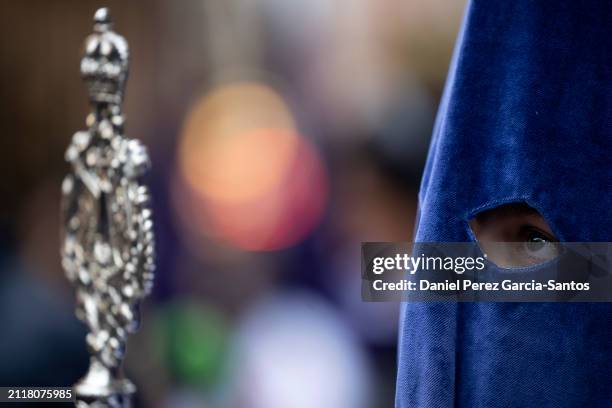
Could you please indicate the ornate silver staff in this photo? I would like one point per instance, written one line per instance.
(107, 243)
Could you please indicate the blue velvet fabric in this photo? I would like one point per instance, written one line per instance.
(525, 117)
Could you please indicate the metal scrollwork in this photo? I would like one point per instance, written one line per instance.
(107, 244)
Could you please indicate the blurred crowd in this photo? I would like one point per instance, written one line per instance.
(283, 133)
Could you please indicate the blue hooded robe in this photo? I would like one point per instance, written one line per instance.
(525, 117)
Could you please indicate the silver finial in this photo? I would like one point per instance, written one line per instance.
(104, 66)
(102, 16)
(107, 238)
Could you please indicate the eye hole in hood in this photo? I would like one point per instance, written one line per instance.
(514, 235)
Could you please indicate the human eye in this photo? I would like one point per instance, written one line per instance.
(536, 246)
(515, 236)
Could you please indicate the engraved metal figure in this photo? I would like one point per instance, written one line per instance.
(107, 242)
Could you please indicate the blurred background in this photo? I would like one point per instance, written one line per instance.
(283, 133)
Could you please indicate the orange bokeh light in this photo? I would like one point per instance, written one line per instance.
(251, 180)
(237, 143)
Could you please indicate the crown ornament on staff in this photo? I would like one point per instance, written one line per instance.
(104, 66)
(107, 249)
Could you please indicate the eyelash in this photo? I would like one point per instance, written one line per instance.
(527, 233)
